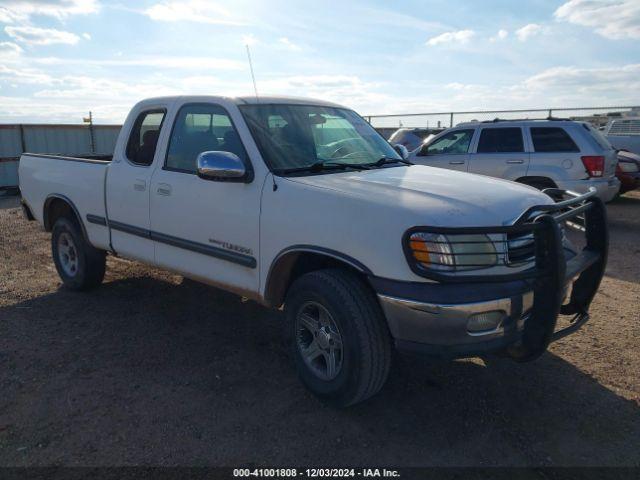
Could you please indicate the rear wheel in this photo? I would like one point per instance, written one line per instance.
(339, 339)
(79, 264)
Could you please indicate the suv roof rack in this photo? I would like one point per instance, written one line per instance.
(500, 120)
(553, 119)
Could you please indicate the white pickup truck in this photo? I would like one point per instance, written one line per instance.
(300, 204)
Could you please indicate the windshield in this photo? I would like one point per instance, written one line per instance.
(299, 136)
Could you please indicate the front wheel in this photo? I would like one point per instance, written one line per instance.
(79, 264)
(340, 342)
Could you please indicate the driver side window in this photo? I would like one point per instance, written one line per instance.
(452, 143)
(201, 128)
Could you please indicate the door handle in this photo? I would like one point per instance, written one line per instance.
(456, 162)
(140, 185)
(164, 189)
(515, 161)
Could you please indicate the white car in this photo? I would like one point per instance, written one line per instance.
(301, 204)
(542, 153)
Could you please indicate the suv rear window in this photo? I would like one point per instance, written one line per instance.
(503, 140)
(598, 136)
(552, 139)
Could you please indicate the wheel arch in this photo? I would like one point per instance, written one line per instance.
(529, 179)
(295, 261)
(56, 206)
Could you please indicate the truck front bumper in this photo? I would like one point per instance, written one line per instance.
(446, 330)
(517, 313)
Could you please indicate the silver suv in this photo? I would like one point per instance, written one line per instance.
(541, 153)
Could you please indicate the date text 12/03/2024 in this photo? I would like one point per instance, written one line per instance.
(316, 472)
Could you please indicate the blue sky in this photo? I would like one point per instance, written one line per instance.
(61, 58)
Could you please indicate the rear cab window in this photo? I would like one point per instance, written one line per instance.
(143, 139)
(552, 139)
(501, 140)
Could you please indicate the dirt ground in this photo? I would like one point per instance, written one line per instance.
(150, 369)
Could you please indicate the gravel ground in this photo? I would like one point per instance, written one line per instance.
(151, 369)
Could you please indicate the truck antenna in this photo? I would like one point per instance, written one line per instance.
(253, 77)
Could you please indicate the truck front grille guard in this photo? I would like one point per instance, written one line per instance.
(550, 271)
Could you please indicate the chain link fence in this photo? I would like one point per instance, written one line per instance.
(598, 116)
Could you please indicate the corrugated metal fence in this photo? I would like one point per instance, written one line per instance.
(60, 139)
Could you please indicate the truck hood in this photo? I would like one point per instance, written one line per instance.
(438, 196)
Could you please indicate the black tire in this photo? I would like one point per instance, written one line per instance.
(90, 263)
(366, 342)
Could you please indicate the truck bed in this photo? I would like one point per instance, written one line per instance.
(80, 181)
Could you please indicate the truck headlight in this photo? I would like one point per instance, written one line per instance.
(435, 251)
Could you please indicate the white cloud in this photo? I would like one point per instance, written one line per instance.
(21, 10)
(41, 36)
(501, 35)
(388, 18)
(624, 78)
(9, 49)
(284, 41)
(612, 19)
(66, 98)
(459, 36)
(168, 62)
(566, 86)
(201, 11)
(25, 76)
(249, 40)
(528, 31)
(86, 36)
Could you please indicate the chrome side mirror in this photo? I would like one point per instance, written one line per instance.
(222, 167)
(402, 150)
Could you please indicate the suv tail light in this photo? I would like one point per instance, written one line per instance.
(594, 165)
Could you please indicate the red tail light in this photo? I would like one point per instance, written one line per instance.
(594, 165)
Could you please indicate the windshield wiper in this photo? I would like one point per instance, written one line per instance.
(387, 161)
(322, 165)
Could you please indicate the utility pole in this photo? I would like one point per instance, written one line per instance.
(92, 140)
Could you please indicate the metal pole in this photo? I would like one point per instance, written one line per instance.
(451, 120)
(23, 144)
(92, 140)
